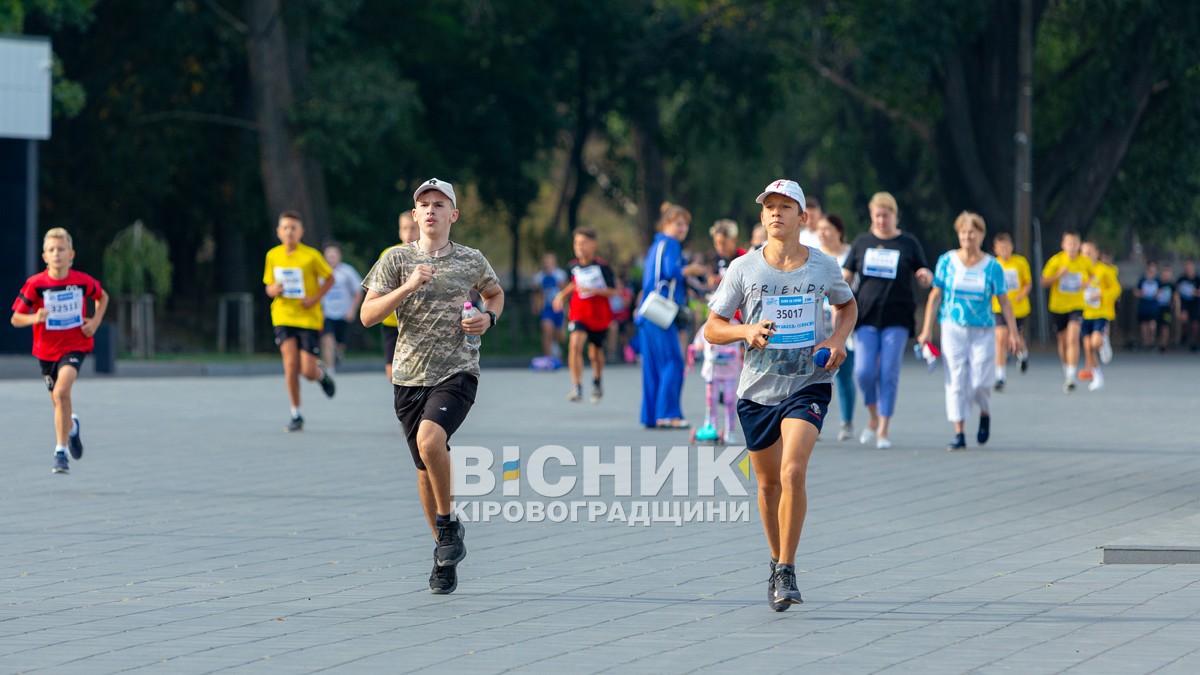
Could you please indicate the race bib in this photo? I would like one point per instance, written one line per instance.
(1186, 290)
(588, 279)
(292, 280)
(795, 318)
(1071, 282)
(881, 263)
(1091, 297)
(970, 283)
(1164, 296)
(64, 309)
(1149, 288)
(1011, 280)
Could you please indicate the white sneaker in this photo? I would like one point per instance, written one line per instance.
(846, 432)
(883, 444)
(866, 436)
(1105, 353)
(731, 438)
(1096, 386)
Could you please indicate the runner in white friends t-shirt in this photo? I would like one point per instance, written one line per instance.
(783, 394)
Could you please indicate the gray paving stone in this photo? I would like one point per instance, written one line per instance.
(195, 535)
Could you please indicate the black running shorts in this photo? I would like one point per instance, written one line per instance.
(1064, 319)
(308, 339)
(50, 368)
(445, 404)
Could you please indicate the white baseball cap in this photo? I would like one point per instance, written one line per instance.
(787, 188)
(441, 186)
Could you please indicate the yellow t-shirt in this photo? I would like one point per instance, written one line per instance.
(390, 319)
(1100, 296)
(1016, 276)
(300, 273)
(1066, 294)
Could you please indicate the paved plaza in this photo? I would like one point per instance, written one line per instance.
(195, 536)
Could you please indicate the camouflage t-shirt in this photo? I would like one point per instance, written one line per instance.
(431, 345)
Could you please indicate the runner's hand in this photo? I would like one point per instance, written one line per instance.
(40, 315)
(308, 301)
(837, 353)
(421, 275)
(759, 334)
(476, 325)
(275, 290)
(89, 327)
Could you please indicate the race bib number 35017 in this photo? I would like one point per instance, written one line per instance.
(795, 318)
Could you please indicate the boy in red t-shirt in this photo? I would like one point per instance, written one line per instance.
(592, 284)
(54, 303)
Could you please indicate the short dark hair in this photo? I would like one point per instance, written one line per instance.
(836, 221)
(589, 232)
(331, 243)
(290, 213)
(1001, 237)
(811, 201)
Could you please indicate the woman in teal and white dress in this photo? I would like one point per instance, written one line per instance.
(964, 282)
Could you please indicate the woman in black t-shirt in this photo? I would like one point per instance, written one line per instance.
(888, 263)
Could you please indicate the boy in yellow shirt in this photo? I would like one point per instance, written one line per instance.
(1099, 307)
(293, 277)
(409, 232)
(1019, 281)
(1066, 274)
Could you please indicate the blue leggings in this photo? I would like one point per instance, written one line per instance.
(845, 387)
(877, 365)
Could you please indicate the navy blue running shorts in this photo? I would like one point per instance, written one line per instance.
(762, 423)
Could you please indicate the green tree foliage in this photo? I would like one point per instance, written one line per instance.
(546, 111)
(138, 262)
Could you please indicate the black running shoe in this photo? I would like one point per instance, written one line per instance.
(959, 443)
(297, 424)
(777, 606)
(999, 385)
(443, 580)
(985, 429)
(327, 384)
(75, 441)
(450, 548)
(785, 585)
(60, 463)
(597, 392)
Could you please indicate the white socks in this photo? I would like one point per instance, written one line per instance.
(1001, 372)
(295, 412)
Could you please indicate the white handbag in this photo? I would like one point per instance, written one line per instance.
(659, 310)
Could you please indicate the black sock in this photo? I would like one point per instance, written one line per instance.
(596, 382)
(442, 520)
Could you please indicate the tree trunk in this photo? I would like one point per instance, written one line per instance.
(651, 174)
(1073, 200)
(284, 166)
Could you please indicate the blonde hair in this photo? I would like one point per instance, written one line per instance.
(725, 228)
(669, 212)
(970, 219)
(884, 199)
(59, 233)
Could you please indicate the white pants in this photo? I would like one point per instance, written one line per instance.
(969, 356)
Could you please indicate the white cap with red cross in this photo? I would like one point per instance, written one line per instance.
(787, 188)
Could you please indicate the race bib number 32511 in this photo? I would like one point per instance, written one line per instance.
(795, 318)
(64, 309)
